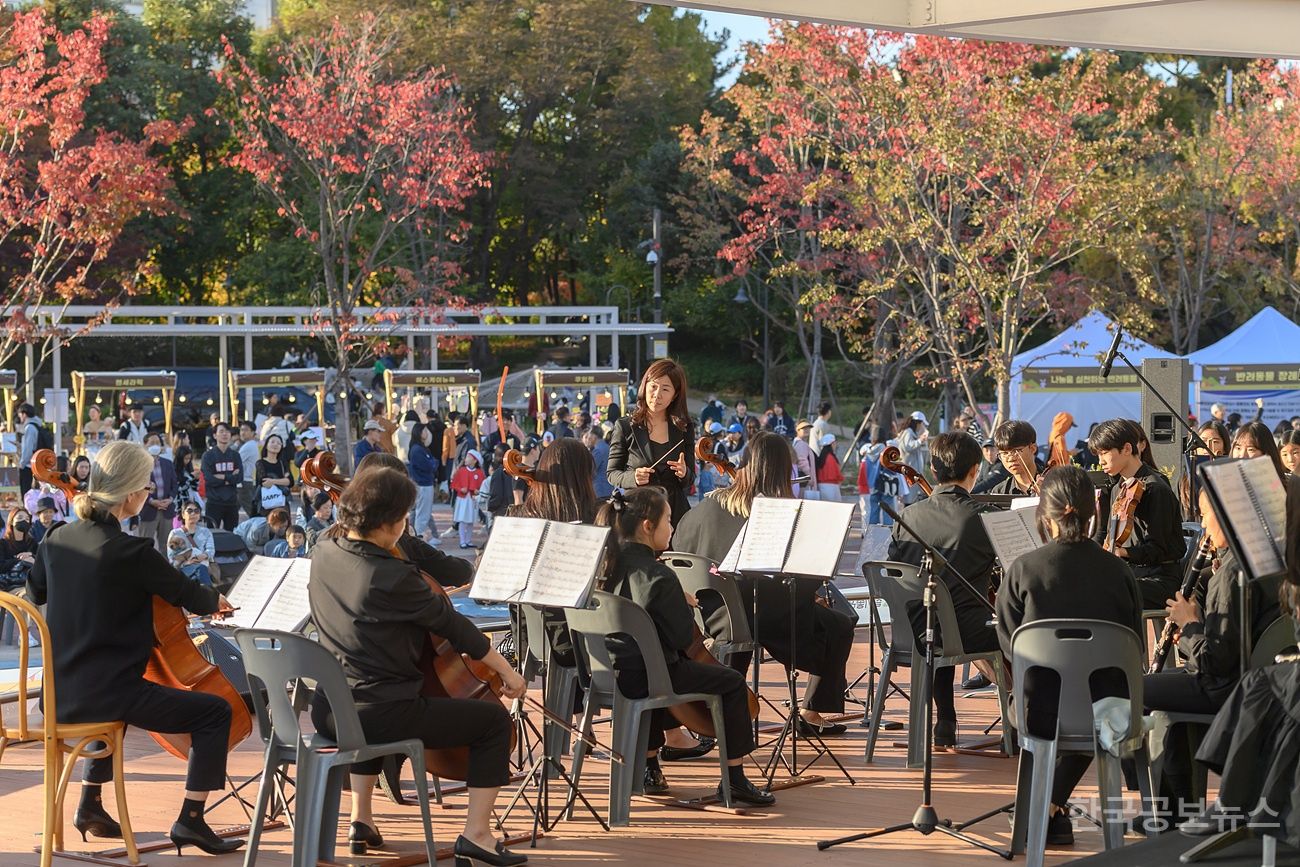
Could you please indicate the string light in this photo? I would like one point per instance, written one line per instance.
(209, 401)
(128, 401)
(554, 395)
(181, 398)
(157, 399)
(98, 399)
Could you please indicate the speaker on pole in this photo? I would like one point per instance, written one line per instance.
(1172, 378)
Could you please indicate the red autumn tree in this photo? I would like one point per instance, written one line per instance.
(359, 158)
(66, 191)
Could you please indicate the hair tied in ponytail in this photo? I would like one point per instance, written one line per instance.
(618, 502)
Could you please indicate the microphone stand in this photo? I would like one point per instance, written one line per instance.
(926, 819)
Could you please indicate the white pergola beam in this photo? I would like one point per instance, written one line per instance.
(1232, 28)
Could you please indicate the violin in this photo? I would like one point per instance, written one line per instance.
(175, 660)
(1122, 511)
(892, 459)
(447, 672)
(705, 454)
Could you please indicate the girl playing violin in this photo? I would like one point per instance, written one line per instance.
(642, 525)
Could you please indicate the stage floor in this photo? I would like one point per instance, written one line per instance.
(885, 793)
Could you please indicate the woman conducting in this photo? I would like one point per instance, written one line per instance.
(374, 612)
(98, 584)
(655, 445)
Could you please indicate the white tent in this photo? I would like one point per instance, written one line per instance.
(1244, 28)
(1261, 359)
(1064, 374)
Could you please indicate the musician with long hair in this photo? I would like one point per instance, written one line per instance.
(1155, 546)
(641, 525)
(374, 612)
(824, 635)
(98, 585)
(655, 445)
(1069, 577)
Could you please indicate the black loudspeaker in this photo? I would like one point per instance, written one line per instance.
(224, 654)
(1172, 379)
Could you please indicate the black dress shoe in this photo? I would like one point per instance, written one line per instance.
(655, 783)
(93, 820)
(978, 681)
(1060, 830)
(469, 854)
(685, 754)
(201, 837)
(829, 730)
(747, 793)
(1214, 819)
(362, 837)
(945, 734)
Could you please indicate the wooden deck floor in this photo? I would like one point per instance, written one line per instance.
(886, 792)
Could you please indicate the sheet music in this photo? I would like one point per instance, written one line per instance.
(731, 563)
(1251, 503)
(566, 566)
(254, 589)
(767, 537)
(289, 609)
(1024, 503)
(818, 539)
(508, 559)
(1012, 533)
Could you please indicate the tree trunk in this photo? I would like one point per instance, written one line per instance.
(1004, 399)
(815, 372)
(343, 423)
(883, 388)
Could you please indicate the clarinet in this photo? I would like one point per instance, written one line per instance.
(1202, 559)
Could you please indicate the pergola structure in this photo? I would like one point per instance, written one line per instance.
(614, 381)
(1235, 28)
(8, 382)
(162, 381)
(307, 377)
(410, 324)
(433, 380)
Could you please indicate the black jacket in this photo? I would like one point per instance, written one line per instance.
(98, 584)
(1157, 542)
(638, 575)
(375, 613)
(447, 569)
(228, 465)
(630, 448)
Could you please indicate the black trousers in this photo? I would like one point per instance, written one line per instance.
(977, 637)
(24, 479)
(1178, 692)
(223, 515)
(1157, 589)
(689, 676)
(483, 726)
(205, 717)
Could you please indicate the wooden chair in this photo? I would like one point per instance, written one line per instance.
(60, 757)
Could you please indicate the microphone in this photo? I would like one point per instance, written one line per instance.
(1111, 353)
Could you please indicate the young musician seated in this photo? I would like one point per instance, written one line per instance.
(1017, 445)
(1209, 640)
(1070, 576)
(949, 521)
(1155, 547)
(374, 612)
(642, 525)
(98, 586)
(824, 635)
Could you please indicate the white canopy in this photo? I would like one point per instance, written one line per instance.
(1245, 28)
(1063, 374)
(1268, 337)
(1261, 359)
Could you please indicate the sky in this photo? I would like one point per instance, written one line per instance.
(743, 28)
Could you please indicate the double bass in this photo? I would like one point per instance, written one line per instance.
(447, 672)
(175, 661)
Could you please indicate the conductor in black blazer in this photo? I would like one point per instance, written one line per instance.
(655, 445)
(949, 521)
(99, 585)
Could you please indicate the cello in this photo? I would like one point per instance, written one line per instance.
(892, 459)
(175, 661)
(447, 672)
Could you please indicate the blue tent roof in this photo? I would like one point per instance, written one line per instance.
(1268, 337)
(1083, 344)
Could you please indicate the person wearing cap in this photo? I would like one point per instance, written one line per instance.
(134, 428)
(829, 476)
(464, 486)
(914, 444)
(991, 470)
(47, 518)
(732, 446)
(371, 436)
(805, 460)
(969, 422)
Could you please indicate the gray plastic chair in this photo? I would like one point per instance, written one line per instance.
(1276, 637)
(274, 660)
(697, 577)
(561, 684)
(900, 584)
(609, 615)
(1074, 649)
(897, 652)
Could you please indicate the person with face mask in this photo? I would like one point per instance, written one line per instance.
(160, 507)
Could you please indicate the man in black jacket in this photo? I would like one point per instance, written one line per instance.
(1155, 546)
(1017, 445)
(949, 521)
(223, 470)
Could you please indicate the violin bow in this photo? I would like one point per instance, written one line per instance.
(501, 392)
